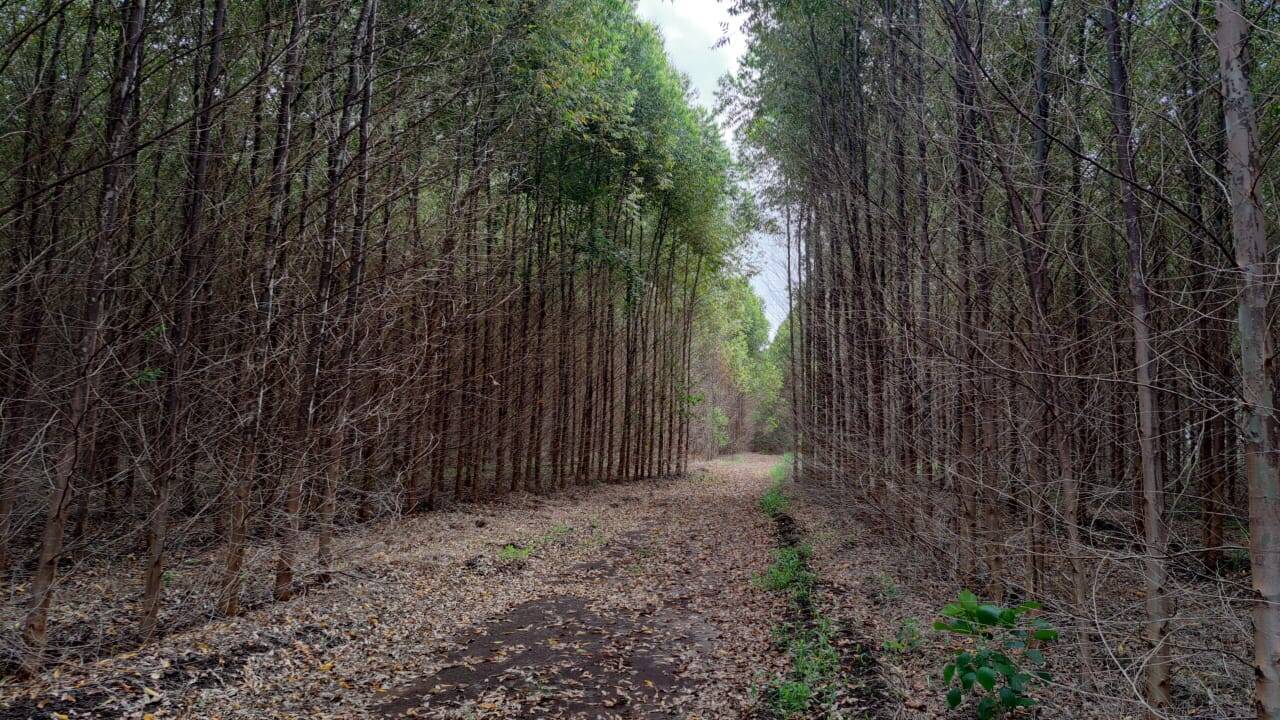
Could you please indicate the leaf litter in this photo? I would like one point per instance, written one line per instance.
(632, 601)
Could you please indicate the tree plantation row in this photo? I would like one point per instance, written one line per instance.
(1035, 314)
(272, 267)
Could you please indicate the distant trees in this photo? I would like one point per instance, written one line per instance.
(275, 266)
(736, 378)
(1012, 232)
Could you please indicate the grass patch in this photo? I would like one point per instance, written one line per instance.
(781, 472)
(792, 697)
(519, 552)
(775, 501)
(814, 681)
(514, 554)
(789, 572)
(558, 534)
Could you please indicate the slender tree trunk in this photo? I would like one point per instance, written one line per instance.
(115, 177)
(1262, 426)
(1155, 532)
(181, 330)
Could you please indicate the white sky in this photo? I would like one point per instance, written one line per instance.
(692, 28)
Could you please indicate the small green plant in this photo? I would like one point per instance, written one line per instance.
(774, 502)
(814, 657)
(908, 637)
(888, 586)
(1007, 641)
(780, 472)
(557, 534)
(514, 554)
(146, 376)
(792, 697)
(789, 571)
(815, 667)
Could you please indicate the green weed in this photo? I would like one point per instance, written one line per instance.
(557, 535)
(815, 668)
(888, 587)
(792, 697)
(789, 571)
(774, 502)
(512, 553)
(908, 637)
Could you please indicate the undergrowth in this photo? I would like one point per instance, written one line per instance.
(812, 684)
(518, 553)
(514, 554)
(774, 502)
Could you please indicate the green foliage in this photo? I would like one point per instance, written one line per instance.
(790, 572)
(719, 429)
(774, 502)
(888, 586)
(792, 697)
(148, 375)
(772, 428)
(815, 667)
(557, 535)
(908, 637)
(737, 373)
(992, 671)
(514, 554)
(782, 471)
(815, 676)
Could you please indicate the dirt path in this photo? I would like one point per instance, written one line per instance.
(632, 601)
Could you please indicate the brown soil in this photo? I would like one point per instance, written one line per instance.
(635, 601)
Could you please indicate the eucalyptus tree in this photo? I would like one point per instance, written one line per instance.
(1012, 225)
(340, 261)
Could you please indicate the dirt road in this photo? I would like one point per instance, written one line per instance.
(629, 601)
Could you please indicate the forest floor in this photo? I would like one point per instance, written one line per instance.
(622, 601)
(633, 601)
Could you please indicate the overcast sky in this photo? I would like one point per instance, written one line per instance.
(692, 28)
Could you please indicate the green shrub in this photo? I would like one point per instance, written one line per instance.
(1008, 640)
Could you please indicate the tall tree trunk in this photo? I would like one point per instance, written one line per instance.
(359, 86)
(277, 196)
(1262, 426)
(181, 331)
(115, 178)
(1155, 532)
